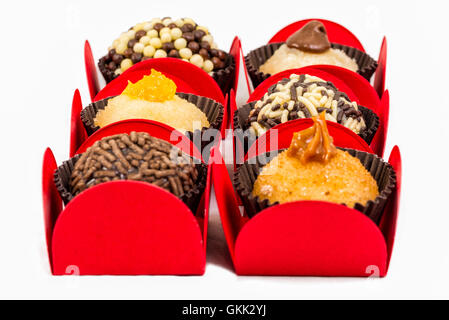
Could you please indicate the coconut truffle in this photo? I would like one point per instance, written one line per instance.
(153, 98)
(308, 46)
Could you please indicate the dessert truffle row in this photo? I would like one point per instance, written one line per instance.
(304, 96)
(136, 156)
(160, 38)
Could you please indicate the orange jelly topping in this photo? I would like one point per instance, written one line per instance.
(314, 143)
(154, 88)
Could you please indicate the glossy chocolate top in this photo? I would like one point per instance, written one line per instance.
(310, 38)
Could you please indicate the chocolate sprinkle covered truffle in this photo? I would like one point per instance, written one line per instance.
(160, 38)
(304, 96)
(137, 156)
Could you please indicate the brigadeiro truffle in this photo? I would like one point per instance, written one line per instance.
(304, 96)
(308, 46)
(160, 38)
(136, 156)
(313, 169)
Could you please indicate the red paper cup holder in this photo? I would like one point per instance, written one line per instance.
(306, 238)
(125, 227)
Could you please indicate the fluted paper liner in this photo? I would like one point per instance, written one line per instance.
(63, 172)
(212, 109)
(241, 122)
(257, 57)
(223, 77)
(381, 171)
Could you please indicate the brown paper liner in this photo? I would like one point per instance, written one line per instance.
(108, 75)
(257, 57)
(212, 109)
(191, 199)
(224, 77)
(247, 139)
(381, 171)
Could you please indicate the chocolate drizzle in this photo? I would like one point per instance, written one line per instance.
(310, 38)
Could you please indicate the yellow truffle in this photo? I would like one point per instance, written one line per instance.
(342, 180)
(153, 98)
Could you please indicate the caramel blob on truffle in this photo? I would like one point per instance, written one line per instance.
(310, 38)
(314, 143)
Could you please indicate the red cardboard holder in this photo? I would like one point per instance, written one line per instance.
(310, 238)
(341, 35)
(125, 227)
(306, 238)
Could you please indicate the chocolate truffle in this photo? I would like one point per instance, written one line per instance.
(160, 38)
(136, 156)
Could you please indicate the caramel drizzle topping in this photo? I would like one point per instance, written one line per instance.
(314, 143)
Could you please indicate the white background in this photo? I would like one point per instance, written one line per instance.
(42, 64)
